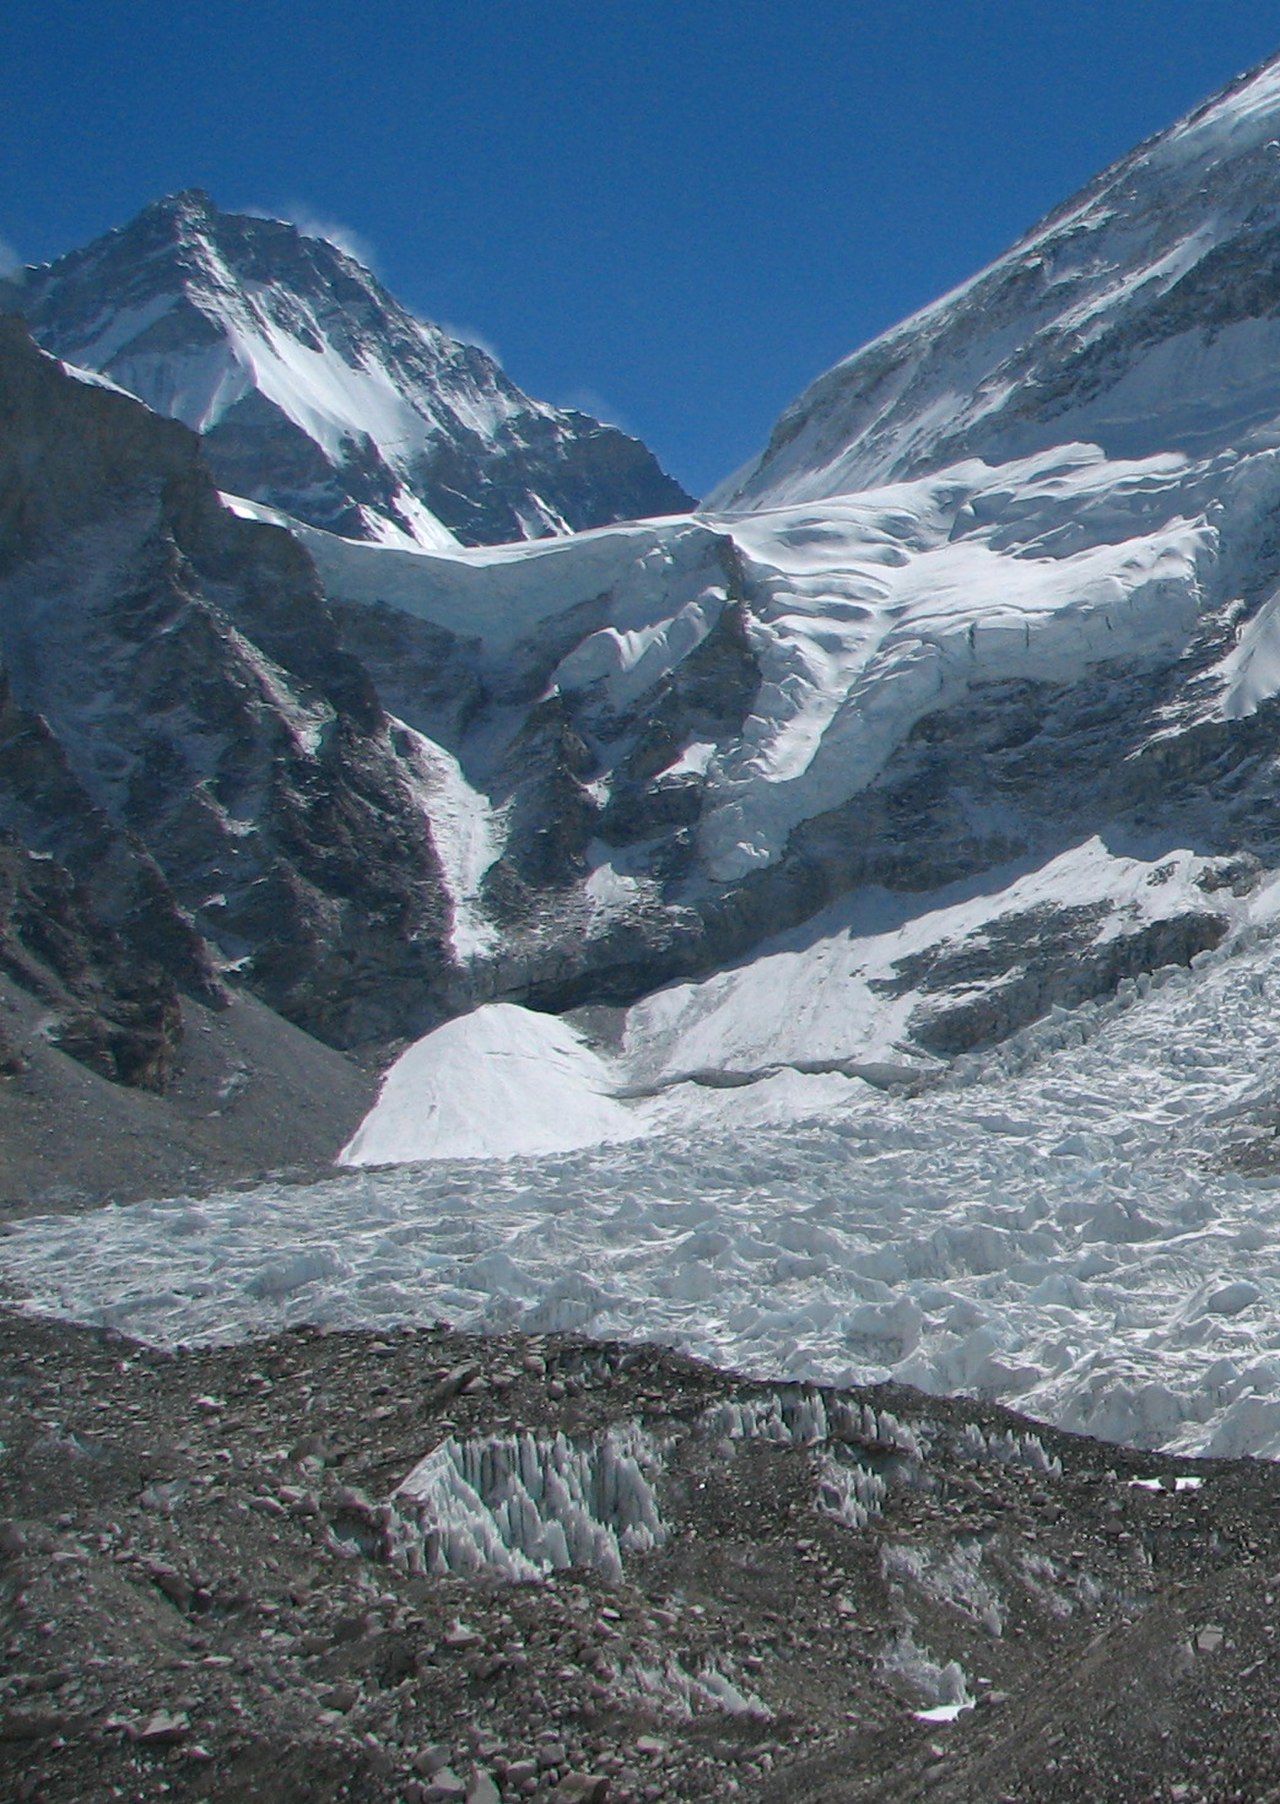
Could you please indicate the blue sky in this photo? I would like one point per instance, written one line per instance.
(675, 214)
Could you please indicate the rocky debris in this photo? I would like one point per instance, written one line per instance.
(582, 1788)
(204, 1587)
(245, 1093)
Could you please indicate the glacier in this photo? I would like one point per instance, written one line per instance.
(866, 614)
(1064, 1224)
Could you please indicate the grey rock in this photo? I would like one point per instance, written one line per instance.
(164, 1728)
(582, 1788)
(31, 1722)
(445, 1786)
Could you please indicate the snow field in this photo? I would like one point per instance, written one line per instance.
(818, 994)
(888, 605)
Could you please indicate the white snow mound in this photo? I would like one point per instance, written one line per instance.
(497, 1082)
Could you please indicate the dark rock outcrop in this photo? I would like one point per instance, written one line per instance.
(193, 698)
(116, 1014)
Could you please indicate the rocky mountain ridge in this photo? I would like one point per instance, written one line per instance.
(187, 668)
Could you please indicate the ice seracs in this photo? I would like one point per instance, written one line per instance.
(1065, 1223)
(521, 1506)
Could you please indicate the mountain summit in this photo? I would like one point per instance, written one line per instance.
(317, 393)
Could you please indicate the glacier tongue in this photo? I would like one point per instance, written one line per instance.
(1059, 1224)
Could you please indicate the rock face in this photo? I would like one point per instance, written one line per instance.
(316, 392)
(176, 684)
(118, 1017)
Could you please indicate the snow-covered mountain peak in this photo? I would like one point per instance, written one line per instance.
(1143, 316)
(319, 393)
(1235, 119)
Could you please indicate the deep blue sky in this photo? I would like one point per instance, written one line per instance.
(677, 214)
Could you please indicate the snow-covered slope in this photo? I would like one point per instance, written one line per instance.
(317, 392)
(500, 1081)
(853, 999)
(1142, 316)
